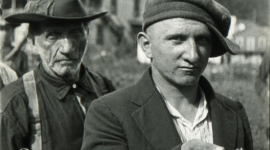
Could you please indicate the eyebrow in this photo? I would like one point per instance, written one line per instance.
(173, 35)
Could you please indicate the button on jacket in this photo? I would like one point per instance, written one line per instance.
(61, 112)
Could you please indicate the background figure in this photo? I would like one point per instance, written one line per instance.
(7, 75)
(11, 55)
(45, 109)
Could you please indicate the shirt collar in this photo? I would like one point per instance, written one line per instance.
(60, 87)
(201, 114)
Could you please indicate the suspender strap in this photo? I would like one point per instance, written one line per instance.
(31, 92)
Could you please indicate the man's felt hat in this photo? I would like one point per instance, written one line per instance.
(53, 11)
(209, 12)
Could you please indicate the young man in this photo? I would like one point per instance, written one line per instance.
(173, 106)
(45, 109)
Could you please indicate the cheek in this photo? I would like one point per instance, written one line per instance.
(45, 52)
(162, 57)
(205, 52)
(165, 53)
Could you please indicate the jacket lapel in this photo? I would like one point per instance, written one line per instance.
(155, 121)
(153, 117)
(224, 120)
(224, 123)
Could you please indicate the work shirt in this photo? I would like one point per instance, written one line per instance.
(200, 129)
(61, 107)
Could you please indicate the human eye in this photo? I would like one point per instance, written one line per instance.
(177, 39)
(77, 33)
(203, 40)
(52, 36)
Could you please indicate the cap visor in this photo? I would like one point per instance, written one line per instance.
(223, 44)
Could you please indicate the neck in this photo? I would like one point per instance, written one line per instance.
(176, 95)
(72, 78)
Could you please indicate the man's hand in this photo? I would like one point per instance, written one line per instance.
(200, 145)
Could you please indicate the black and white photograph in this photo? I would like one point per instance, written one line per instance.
(134, 74)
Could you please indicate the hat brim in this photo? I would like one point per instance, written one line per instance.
(222, 44)
(33, 17)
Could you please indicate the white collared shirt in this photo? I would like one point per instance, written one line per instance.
(200, 129)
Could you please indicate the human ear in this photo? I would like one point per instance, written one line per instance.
(86, 28)
(145, 44)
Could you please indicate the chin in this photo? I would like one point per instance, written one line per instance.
(65, 70)
(185, 81)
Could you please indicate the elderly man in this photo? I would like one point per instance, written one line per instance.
(45, 109)
(173, 106)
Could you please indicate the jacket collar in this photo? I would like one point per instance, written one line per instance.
(155, 121)
(153, 117)
(60, 87)
(224, 120)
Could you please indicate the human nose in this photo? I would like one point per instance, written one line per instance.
(191, 51)
(66, 46)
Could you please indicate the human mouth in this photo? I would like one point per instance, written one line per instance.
(189, 68)
(66, 61)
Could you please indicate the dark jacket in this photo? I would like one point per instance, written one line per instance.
(137, 118)
(62, 117)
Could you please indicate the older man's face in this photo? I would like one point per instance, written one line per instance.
(61, 47)
(180, 49)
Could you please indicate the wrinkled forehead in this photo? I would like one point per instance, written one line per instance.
(61, 26)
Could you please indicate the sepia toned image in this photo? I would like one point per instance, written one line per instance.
(134, 74)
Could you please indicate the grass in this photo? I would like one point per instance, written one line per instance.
(233, 81)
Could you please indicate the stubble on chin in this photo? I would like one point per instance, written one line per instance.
(67, 72)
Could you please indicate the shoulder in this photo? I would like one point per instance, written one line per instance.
(232, 104)
(97, 77)
(7, 74)
(104, 83)
(11, 92)
(119, 96)
(118, 101)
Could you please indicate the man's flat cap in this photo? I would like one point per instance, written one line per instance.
(209, 12)
(53, 11)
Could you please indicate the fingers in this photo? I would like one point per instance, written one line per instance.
(195, 144)
(219, 148)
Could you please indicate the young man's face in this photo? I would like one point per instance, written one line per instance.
(180, 49)
(61, 47)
